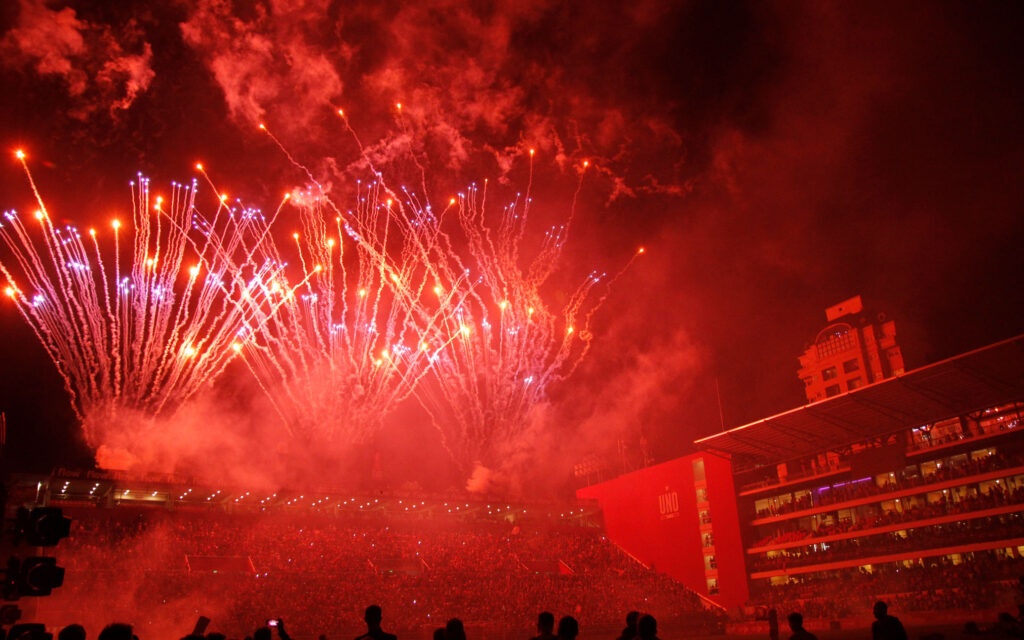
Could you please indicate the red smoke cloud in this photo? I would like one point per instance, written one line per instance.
(775, 158)
(272, 63)
(102, 69)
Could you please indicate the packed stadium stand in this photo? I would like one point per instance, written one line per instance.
(158, 558)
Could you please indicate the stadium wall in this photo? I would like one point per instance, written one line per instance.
(667, 514)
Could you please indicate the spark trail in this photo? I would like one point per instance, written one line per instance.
(137, 325)
(511, 340)
(352, 343)
(501, 339)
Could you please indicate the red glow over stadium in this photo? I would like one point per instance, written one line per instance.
(515, 330)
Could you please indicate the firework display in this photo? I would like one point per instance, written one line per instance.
(506, 339)
(139, 318)
(388, 300)
(353, 341)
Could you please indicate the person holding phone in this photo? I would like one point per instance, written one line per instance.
(266, 632)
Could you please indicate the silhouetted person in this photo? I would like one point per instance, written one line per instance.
(281, 633)
(439, 633)
(886, 627)
(629, 631)
(545, 626)
(72, 632)
(454, 630)
(373, 617)
(1007, 625)
(568, 628)
(796, 624)
(647, 627)
(773, 624)
(117, 631)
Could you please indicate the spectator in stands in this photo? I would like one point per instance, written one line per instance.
(338, 555)
(629, 631)
(545, 626)
(647, 627)
(373, 617)
(281, 633)
(885, 626)
(454, 630)
(1007, 625)
(72, 632)
(796, 624)
(568, 628)
(117, 631)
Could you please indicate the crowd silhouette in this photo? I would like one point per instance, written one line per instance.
(454, 629)
(316, 569)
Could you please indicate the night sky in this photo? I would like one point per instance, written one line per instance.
(774, 158)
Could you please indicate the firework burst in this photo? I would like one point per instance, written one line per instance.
(506, 338)
(498, 338)
(353, 341)
(140, 318)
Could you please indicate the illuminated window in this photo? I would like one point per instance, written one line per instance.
(835, 339)
(829, 374)
(850, 366)
(854, 383)
(832, 390)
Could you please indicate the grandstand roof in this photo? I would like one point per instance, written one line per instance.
(961, 385)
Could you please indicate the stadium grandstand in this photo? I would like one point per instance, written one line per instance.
(157, 552)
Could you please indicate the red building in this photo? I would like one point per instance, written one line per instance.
(855, 349)
(680, 519)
